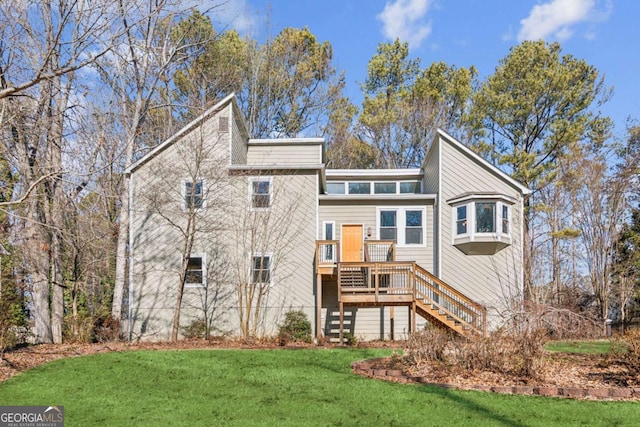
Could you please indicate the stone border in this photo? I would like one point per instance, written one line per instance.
(365, 369)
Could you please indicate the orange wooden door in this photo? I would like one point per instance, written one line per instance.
(352, 242)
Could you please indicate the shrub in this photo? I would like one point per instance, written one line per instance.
(429, 344)
(627, 349)
(196, 329)
(518, 354)
(106, 329)
(295, 327)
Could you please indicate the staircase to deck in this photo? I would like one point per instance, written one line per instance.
(382, 281)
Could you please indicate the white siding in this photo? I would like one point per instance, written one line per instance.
(284, 154)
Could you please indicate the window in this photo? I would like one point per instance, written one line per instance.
(505, 219)
(388, 225)
(405, 226)
(260, 189)
(461, 219)
(328, 235)
(359, 188)
(193, 194)
(261, 269)
(481, 225)
(335, 187)
(410, 187)
(413, 227)
(384, 188)
(195, 274)
(485, 217)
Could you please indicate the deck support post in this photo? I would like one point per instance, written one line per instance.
(392, 322)
(319, 307)
(341, 323)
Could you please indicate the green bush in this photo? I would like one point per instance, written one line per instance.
(295, 327)
(196, 329)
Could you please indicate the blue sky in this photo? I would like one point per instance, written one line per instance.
(605, 33)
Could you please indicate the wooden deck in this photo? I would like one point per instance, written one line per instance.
(382, 281)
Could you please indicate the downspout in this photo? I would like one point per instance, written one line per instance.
(130, 308)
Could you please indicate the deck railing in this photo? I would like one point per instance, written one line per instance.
(327, 252)
(379, 251)
(433, 291)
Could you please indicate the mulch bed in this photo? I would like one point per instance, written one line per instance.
(580, 376)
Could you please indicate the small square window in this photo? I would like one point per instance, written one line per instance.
(194, 276)
(261, 269)
(260, 193)
(193, 193)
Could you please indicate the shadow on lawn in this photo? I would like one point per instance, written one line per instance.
(470, 405)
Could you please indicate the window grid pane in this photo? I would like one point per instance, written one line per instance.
(193, 194)
(505, 219)
(194, 274)
(413, 227)
(412, 187)
(485, 217)
(461, 220)
(261, 193)
(359, 188)
(261, 269)
(388, 225)
(335, 187)
(384, 188)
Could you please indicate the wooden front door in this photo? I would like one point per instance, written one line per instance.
(352, 242)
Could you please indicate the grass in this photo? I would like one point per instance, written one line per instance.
(313, 387)
(582, 347)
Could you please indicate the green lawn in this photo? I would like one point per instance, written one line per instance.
(312, 387)
(585, 347)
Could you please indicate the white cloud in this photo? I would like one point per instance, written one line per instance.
(556, 18)
(405, 19)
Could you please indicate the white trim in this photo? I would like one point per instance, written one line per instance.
(203, 284)
(375, 173)
(253, 179)
(401, 224)
(131, 260)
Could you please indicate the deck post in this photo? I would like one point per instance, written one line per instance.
(319, 307)
(392, 321)
(341, 322)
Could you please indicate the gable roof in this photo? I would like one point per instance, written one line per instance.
(481, 161)
(229, 99)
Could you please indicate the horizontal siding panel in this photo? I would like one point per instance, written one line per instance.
(301, 154)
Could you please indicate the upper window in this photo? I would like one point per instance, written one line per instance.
(260, 192)
(335, 187)
(261, 269)
(482, 226)
(359, 188)
(195, 274)
(485, 217)
(405, 226)
(193, 194)
(384, 187)
(380, 187)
